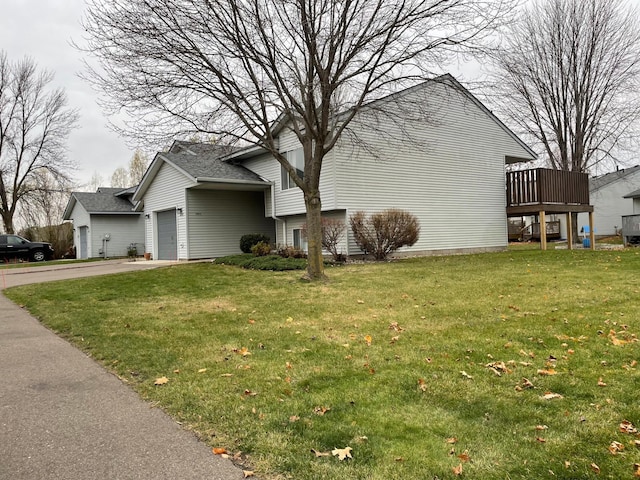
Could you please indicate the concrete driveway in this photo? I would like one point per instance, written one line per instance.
(62, 416)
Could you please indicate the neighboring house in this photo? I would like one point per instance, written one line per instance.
(104, 223)
(433, 150)
(609, 195)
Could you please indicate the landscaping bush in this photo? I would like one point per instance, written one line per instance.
(261, 249)
(383, 233)
(251, 239)
(332, 233)
(288, 251)
(269, 262)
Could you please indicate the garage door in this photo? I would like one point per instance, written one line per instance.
(167, 235)
(83, 243)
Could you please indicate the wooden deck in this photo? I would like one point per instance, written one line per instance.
(540, 191)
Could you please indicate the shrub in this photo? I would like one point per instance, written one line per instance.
(249, 240)
(332, 233)
(269, 262)
(261, 249)
(384, 232)
(288, 251)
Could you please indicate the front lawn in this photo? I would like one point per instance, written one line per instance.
(516, 365)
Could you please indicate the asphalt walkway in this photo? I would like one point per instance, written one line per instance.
(62, 416)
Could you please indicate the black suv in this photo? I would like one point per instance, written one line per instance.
(14, 246)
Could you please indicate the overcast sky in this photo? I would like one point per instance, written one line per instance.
(43, 30)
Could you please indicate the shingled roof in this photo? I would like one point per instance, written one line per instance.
(104, 201)
(596, 183)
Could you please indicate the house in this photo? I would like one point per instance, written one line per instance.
(104, 223)
(433, 149)
(611, 200)
(197, 206)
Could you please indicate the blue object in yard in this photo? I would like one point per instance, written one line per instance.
(586, 243)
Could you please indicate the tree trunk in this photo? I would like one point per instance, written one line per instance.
(315, 264)
(7, 220)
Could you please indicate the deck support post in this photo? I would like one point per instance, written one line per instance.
(569, 232)
(592, 234)
(543, 231)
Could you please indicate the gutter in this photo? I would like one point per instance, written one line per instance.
(232, 181)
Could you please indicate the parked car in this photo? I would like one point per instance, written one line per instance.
(14, 246)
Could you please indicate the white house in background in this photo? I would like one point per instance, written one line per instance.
(609, 195)
(104, 223)
(434, 150)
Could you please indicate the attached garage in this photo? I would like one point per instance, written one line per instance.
(197, 206)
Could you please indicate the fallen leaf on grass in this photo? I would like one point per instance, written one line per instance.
(249, 393)
(636, 443)
(368, 339)
(627, 427)
(525, 383)
(457, 471)
(498, 368)
(227, 375)
(636, 469)
(595, 468)
(616, 447)
(466, 375)
(451, 440)
(601, 383)
(541, 427)
(547, 372)
(219, 451)
(247, 473)
(464, 457)
(202, 370)
(161, 381)
(320, 454)
(422, 385)
(540, 440)
(395, 326)
(342, 453)
(244, 351)
(321, 410)
(551, 395)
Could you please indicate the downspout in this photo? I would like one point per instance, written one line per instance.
(273, 208)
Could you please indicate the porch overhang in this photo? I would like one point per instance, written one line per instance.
(206, 183)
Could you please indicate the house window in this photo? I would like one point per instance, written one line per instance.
(295, 159)
(298, 239)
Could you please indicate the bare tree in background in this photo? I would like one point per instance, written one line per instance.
(34, 125)
(95, 182)
(120, 178)
(137, 167)
(246, 69)
(569, 75)
(41, 211)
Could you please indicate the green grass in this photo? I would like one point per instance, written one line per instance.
(397, 400)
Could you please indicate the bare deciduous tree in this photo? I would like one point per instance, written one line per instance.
(246, 69)
(120, 178)
(137, 167)
(34, 125)
(569, 76)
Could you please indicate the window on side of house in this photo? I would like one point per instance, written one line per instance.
(298, 240)
(296, 160)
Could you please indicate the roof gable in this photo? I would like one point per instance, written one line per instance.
(103, 201)
(596, 183)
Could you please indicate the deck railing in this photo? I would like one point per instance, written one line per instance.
(545, 186)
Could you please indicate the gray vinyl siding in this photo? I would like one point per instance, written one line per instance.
(291, 201)
(609, 204)
(167, 191)
(123, 230)
(449, 173)
(297, 222)
(218, 218)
